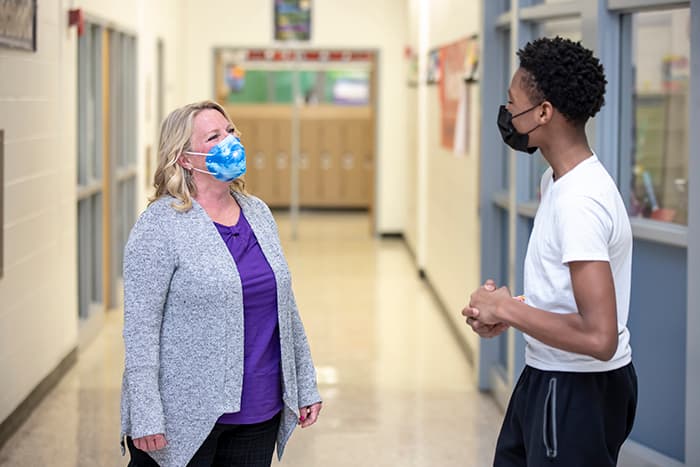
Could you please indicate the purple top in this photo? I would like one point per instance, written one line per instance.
(261, 398)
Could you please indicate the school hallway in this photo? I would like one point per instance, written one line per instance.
(397, 388)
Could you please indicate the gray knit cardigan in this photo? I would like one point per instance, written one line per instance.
(183, 329)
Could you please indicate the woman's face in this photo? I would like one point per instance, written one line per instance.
(209, 127)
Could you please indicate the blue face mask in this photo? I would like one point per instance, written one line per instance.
(225, 161)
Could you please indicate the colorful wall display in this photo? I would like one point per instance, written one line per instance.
(458, 64)
(292, 20)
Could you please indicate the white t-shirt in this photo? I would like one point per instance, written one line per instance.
(581, 217)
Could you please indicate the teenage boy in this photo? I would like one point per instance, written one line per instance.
(575, 401)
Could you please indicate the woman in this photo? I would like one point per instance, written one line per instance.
(217, 365)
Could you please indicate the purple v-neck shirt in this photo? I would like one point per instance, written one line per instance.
(261, 398)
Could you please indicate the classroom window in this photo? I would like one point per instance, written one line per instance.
(659, 150)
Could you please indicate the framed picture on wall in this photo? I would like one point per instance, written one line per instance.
(292, 20)
(18, 24)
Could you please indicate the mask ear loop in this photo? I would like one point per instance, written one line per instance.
(526, 111)
(194, 168)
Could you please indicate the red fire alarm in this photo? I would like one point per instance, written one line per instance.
(75, 17)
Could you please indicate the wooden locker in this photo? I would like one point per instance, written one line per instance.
(352, 159)
(308, 163)
(282, 162)
(367, 163)
(265, 161)
(247, 129)
(328, 159)
(261, 162)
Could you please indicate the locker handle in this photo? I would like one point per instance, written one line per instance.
(282, 160)
(348, 161)
(304, 161)
(259, 160)
(325, 161)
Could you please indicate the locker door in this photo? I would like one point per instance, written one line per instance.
(351, 163)
(367, 162)
(282, 161)
(329, 157)
(308, 163)
(262, 161)
(247, 128)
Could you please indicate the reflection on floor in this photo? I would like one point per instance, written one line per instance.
(397, 390)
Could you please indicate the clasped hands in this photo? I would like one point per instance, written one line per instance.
(482, 311)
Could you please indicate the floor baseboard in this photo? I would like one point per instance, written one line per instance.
(14, 421)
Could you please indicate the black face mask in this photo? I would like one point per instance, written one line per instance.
(517, 141)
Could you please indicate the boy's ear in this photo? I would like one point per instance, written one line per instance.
(546, 112)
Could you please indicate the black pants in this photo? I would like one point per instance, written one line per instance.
(567, 419)
(226, 446)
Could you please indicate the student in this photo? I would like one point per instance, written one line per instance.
(575, 401)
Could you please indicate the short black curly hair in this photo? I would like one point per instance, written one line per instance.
(566, 74)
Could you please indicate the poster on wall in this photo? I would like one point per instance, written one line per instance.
(18, 24)
(434, 72)
(411, 67)
(292, 20)
(458, 63)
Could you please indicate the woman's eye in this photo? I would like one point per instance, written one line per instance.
(231, 131)
(212, 138)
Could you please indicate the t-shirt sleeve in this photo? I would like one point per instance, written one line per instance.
(584, 228)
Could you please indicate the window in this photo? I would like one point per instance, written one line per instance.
(343, 86)
(659, 128)
(90, 183)
(104, 139)
(123, 145)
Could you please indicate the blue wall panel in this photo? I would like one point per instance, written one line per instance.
(657, 323)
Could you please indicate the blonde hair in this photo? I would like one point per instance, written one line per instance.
(175, 138)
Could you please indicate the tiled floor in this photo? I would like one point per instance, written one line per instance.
(397, 390)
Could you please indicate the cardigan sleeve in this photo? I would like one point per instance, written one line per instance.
(306, 373)
(149, 264)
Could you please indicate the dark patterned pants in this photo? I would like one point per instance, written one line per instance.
(226, 446)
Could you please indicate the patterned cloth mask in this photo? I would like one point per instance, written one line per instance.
(225, 161)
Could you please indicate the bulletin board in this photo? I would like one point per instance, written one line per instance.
(292, 20)
(458, 65)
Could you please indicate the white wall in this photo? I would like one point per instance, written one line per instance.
(38, 111)
(152, 25)
(376, 24)
(412, 132)
(451, 239)
(38, 293)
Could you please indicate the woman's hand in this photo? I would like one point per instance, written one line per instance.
(309, 414)
(151, 442)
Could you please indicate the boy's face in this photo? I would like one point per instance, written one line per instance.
(518, 104)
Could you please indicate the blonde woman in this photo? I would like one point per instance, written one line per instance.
(217, 367)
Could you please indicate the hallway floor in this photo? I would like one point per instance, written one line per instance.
(397, 389)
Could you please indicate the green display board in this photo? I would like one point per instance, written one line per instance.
(277, 86)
